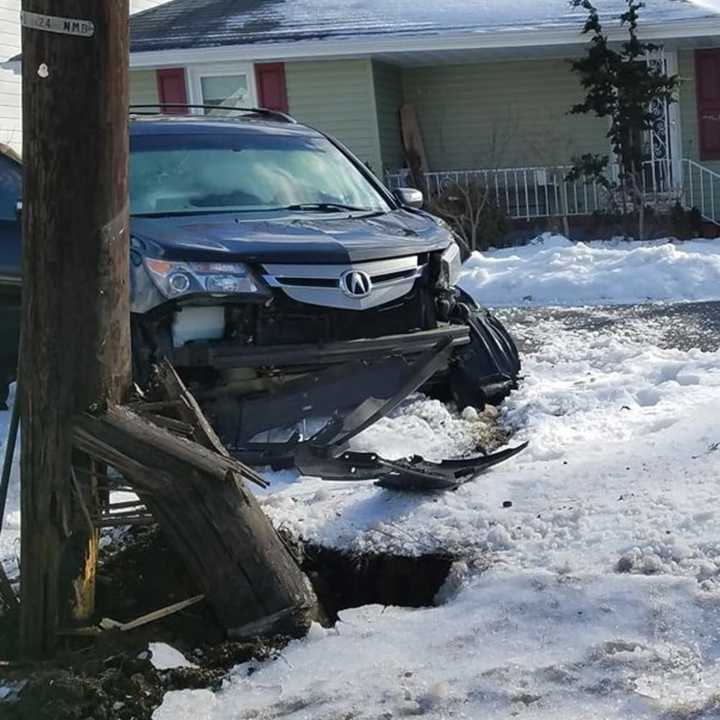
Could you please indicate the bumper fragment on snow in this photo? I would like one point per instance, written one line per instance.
(412, 474)
(326, 455)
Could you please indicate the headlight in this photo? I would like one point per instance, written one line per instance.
(175, 279)
(450, 266)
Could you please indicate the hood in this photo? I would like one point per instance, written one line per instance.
(300, 238)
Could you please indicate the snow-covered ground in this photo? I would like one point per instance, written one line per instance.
(555, 271)
(602, 597)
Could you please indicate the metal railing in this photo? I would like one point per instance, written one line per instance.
(529, 193)
(700, 190)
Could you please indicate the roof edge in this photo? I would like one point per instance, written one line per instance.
(349, 47)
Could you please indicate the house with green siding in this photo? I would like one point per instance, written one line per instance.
(485, 84)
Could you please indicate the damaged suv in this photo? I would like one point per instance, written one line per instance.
(295, 294)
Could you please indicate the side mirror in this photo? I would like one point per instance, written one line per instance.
(18, 208)
(409, 197)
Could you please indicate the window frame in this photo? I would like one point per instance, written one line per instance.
(196, 74)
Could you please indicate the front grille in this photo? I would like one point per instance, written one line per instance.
(288, 322)
(307, 282)
(320, 284)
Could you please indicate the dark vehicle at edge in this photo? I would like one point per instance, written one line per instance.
(266, 259)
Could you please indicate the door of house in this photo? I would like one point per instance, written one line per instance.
(659, 143)
(661, 161)
(707, 72)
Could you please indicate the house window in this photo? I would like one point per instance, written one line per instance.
(227, 85)
(707, 73)
(225, 90)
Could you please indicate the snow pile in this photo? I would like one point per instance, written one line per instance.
(431, 429)
(555, 271)
(529, 644)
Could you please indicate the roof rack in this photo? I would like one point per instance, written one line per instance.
(159, 109)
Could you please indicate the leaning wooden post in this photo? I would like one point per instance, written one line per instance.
(197, 493)
(76, 339)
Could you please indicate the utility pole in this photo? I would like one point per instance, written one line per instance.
(76, 339)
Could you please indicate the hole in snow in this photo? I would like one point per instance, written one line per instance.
(343, 580)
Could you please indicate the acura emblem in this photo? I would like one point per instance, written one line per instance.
(356, 284)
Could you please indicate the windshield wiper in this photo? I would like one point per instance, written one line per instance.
(326, 207)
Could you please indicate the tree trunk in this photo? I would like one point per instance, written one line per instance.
(76, 339)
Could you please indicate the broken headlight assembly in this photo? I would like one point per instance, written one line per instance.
(177, 279)
(450, 267)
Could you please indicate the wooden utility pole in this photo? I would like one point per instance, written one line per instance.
(76, 339)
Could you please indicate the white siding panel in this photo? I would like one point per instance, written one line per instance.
(10, 86)
(143, 87)
(389, 99)
(9, 29)
(499, 115)
(338, 98)
(10, 110)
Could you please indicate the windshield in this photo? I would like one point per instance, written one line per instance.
(244, 172)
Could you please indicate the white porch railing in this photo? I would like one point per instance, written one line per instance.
(531, 193)
(701, 188)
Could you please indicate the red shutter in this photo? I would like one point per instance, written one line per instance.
(272, 92)
(171, 89)
(707, 75)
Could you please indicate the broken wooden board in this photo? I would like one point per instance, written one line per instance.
(178, 410)
(198, 498)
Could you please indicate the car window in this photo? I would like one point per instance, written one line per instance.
(244, 172)
(10, 188)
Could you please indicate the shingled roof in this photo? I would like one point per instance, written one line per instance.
(212, 23)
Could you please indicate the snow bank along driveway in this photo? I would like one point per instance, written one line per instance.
(603, 597)
(554, 271)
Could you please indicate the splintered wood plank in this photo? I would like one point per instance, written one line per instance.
(199, 500)
(188, 407)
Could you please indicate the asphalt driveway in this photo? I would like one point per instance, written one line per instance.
(683, 326)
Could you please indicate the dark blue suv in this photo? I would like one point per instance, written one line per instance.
(266, 257)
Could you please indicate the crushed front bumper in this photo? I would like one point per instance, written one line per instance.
(371, 390)
(225, 356)
(347, 386)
